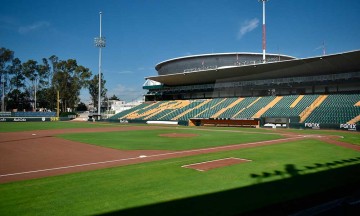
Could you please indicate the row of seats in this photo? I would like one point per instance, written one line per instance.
(122, 114)
(252, 110)
(283, 109)
(237, 108)
(215, 106)
(334, 109)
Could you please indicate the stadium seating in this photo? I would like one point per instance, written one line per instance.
(252, 109)
(311, 108)
(215, 106)
(194, 111)
(336, 109)
(124, 113)
(232, 112)
(283, 107)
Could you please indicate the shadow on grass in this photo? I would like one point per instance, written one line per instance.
(295, 190)
(290, 170)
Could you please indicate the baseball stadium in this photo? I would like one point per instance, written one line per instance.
(242, 89)
(225, 134)
(236, 133)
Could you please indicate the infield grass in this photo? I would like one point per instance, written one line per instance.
(277, 173)
(152, 139)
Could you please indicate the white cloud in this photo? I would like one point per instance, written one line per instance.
(144, 68)
(8, 21)
(33, 27)
(125, 72)
(141, 68)
(248, 26)
(131, 71)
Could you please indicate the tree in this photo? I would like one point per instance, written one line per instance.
(18, 78)
(16, 82)
(19, 100)
(81, 107)
(93, 87)
(46, 94)
(44, 72)
(30, 70)
(114, 97)
(6, 56)
(46, 98)
(54, 60)
(24, 81)
(69, 78)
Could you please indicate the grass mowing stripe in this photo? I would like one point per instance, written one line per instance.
(151, 139)
(27, 126)
(352, 137)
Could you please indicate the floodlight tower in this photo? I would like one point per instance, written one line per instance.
(100, 42)
(263, 30)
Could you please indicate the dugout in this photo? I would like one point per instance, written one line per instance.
(278, 121)
(225, 122)
(94, 117)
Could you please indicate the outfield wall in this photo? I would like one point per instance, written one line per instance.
(28, 114)
(316, 126)
(33, 119)
(252, 123)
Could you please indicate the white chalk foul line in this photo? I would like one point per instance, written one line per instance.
(68, 167)
(147, 156)
(210, 161)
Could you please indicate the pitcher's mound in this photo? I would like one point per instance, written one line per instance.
(178, 135)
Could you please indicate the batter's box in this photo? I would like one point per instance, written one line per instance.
(213, 164)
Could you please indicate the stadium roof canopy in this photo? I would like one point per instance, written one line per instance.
(320, 65)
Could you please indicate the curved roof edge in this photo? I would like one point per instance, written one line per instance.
(217, 54)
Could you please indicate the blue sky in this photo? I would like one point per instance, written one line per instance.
(142, 33)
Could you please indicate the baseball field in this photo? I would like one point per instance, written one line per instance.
(83, 168)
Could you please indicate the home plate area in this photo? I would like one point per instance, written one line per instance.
(213, 164)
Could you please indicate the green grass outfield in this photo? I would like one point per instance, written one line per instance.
(276, 173)
(28, 126)
(152, 139)
(348, 136)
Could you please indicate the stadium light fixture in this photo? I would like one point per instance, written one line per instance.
(263, 31)
(100, 42)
